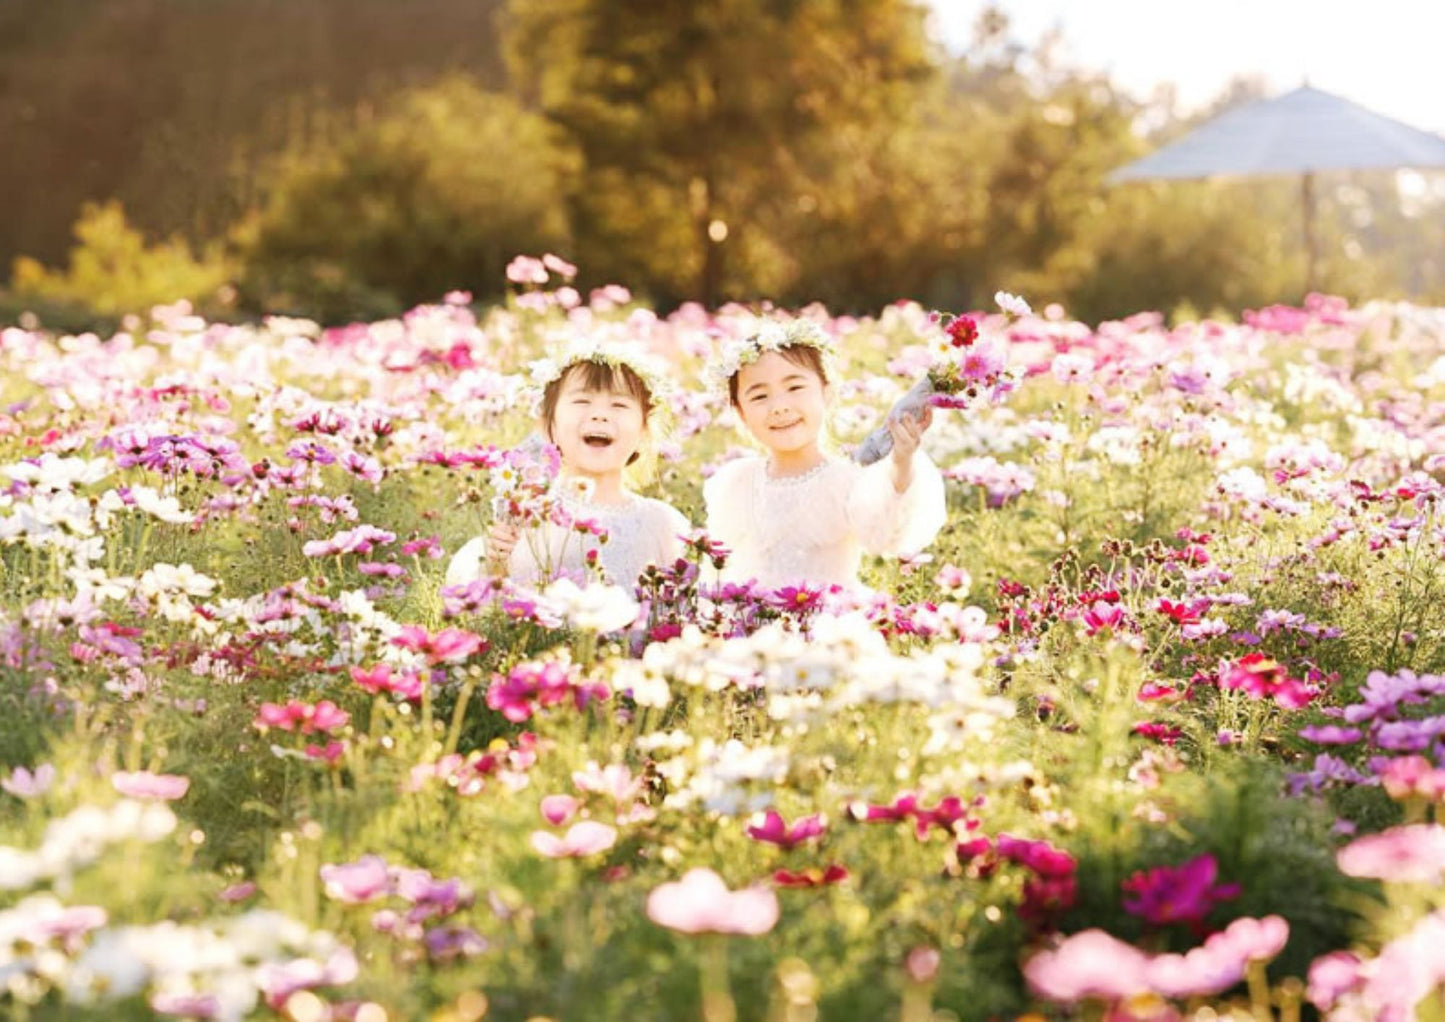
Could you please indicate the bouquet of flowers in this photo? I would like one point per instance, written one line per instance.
(960, 371)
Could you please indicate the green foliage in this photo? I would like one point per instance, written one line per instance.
(113, 271)
(439, 192)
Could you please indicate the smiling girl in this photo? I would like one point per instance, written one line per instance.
(599, 408)
(798, 514)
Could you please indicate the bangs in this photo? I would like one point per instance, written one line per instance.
(804, 356)
(619, 379)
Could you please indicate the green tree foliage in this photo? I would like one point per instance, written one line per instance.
(703, 124)
(438, 192)
(113, 271)
(172, 106)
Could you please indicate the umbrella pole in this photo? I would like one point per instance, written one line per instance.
(1307, 195)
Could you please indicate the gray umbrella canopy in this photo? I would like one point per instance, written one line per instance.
(1301, 132)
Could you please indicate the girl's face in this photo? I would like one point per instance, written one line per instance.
(597, 430)
(782, 403)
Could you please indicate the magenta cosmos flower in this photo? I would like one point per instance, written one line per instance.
(1177, 894)
(774, 830)
(701, 903)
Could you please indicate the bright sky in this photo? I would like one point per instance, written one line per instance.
(1384, 55)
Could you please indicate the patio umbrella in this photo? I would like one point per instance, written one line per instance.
(1301, 132)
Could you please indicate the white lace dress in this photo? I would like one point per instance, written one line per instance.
(640, 531)
(815, 527)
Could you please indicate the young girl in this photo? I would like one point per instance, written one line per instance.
(797, 514)
(599, 407)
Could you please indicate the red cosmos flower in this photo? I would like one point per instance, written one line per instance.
(1177, 894)
(1264, 678)
(834, 874)
(962, 332)
(775, 831)
(1151, 691)
(1180, 613)
(1165, 734)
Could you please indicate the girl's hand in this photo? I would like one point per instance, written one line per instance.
(501, 538)
(907, 433)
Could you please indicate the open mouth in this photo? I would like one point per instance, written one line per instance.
(601, 440)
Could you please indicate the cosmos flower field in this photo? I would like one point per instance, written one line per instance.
(1154, 730)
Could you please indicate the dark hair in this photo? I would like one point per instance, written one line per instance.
(619, 379)
(804, 355)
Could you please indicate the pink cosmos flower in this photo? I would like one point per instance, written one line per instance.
(922, 964)
(22, 783)
(1091, 964)
(953, 579)
(186, 1005)
(1103, 615)
(701, 903)
(1414, 853)
(1412, 777)
(769, 827)
(581, 840)
(1199, 972)
(613, 780)
(381, 678)
(558, 809)
(526, 270)
(1251, 940)
(144, 784)
(450, 645)
(444, 943)
(357, 882)
(279, 982)
(1331, 976)
(238, 892)
(308, 718)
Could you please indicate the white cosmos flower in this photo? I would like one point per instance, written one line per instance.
(1012, 304)
(52, 474)
(175, 578)
(595, 608)
(167, 509)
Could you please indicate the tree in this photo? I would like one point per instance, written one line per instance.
(696, 118)
(439, 192)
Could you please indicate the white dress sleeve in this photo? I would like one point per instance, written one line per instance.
(724, 496)
(467, 563)
(674, 526)
(891, 523)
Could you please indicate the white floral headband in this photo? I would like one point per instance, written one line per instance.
(648, 368)
(736, 353)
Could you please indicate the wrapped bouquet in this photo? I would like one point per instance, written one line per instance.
(960, 371)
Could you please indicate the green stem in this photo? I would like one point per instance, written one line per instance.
(454, 733)
(717, 1000)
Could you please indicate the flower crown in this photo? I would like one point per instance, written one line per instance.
(648, 368)
(738, 352)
